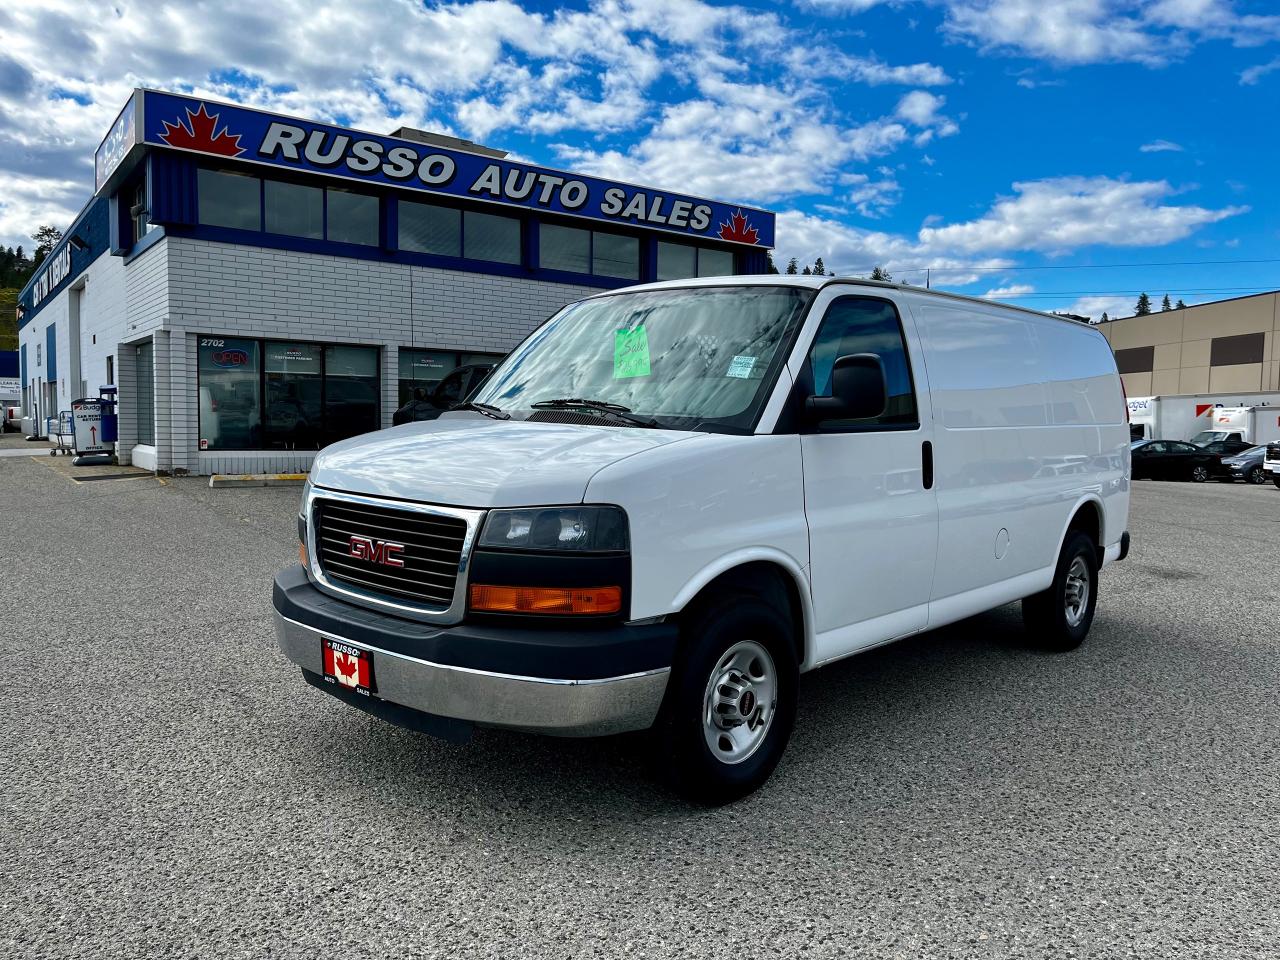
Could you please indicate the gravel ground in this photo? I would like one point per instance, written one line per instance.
(172, 787)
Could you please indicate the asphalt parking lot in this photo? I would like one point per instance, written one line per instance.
(173, 788)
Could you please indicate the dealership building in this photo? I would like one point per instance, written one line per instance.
(258, 286)
(1230, 346)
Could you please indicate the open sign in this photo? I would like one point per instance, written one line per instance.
(230, 358)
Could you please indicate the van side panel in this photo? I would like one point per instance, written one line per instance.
(721, 501)
(1019, 404)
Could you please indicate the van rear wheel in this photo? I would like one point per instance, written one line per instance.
(1059, 618)
(731, 701)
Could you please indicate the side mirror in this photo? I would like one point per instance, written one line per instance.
(858, 391)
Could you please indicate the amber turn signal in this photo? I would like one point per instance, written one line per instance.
(486, 598)
(302, 555)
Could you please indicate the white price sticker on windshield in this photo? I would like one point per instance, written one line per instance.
(741, 367)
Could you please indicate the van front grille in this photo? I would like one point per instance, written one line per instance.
(404, 555)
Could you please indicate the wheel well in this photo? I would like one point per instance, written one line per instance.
(1088, 520)
(768, 581)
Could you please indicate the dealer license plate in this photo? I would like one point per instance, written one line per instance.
(348, 667)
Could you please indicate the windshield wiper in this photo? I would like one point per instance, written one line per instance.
(600, 406)
(488, 409)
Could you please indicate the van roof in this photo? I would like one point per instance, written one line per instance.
(817, 283)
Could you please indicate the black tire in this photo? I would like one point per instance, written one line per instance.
(1199, 473)
(1276, 480)
(1256, 475)
(682, 751)
(1045, 614)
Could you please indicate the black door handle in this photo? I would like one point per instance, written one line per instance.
(926, 464)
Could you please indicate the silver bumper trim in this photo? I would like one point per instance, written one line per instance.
(567, 708)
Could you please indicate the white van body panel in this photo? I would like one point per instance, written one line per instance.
(1029, 421)
(696, 508)
(866, 502)
(469, 460)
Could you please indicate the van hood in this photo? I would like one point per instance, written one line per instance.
(472, 461)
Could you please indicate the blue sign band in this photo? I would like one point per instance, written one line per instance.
(235, 133)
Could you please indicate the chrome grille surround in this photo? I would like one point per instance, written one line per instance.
(451, 604)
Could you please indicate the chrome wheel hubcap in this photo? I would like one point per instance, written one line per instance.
(1076, 600)
(738, 707)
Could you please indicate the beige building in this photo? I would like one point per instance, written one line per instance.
(1222, 347)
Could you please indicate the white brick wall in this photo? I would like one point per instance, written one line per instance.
(234, 290)
(180, 288)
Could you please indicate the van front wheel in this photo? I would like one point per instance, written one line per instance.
(1059, 618)
(731, 701)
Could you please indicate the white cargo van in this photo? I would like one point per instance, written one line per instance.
(673, 499)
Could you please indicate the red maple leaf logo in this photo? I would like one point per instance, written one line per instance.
(737, 229)
(346, 665)
(200, 132)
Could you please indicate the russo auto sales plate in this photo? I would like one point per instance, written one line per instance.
(349, 667)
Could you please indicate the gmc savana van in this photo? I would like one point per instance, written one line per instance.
(672, 500)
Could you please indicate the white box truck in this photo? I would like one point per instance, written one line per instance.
(1254, 425)
(671, 500)
(1182, 416)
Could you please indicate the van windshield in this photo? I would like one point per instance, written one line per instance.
(695, 358)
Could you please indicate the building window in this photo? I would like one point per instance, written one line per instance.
(613, 255)
(714, 263)
(230, 392)
(294, 210)
(145, 392)
(229, 199)
(351, 404)
(425, 369)
(679, 261)
(676, 261)
(1245, 348)
(138, 212)
(293, 402)
(564, 248)
(351, 217)
(487, 236)
(428, 228)
(1136, 360)
(314, 394)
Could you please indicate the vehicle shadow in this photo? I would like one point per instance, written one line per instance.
(854, 711)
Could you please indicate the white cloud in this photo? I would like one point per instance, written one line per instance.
(1095, 31)
(1251, 75)
(1050, 216)
(921, 108)
(1061, 214)
(1161, 146)
(873, 198)
(1010, 292)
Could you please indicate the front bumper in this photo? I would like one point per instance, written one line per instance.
(564, 682)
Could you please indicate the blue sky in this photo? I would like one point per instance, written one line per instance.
(1021, 148)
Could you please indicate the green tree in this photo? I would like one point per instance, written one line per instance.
(769, 265)
(1143, 307)
(806, 271)
(1165, 305)
(819, 268)
(1105, 318)
(880, 273)
(791, 266)
(46, 237)
(1179, 305)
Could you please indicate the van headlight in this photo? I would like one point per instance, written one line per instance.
(596, 529)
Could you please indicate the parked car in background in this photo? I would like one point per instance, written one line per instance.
(454, 388)
(1246, 465)
(1171, 460)
(10, 418)
(1271, 464)
(1226, 448)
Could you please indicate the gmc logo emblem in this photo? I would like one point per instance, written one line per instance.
(376, 551)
